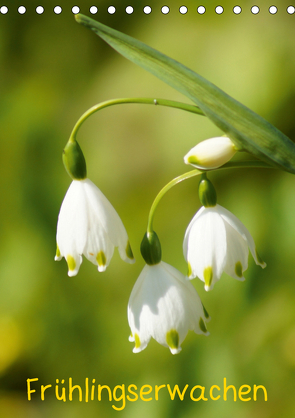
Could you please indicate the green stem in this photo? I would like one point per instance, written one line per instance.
(196, 172)
(144, 100)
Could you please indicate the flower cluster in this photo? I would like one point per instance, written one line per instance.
(163, 304)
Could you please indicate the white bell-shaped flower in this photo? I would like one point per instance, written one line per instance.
(217, 241)
(88, 224)
(211, 153)
(164, 305)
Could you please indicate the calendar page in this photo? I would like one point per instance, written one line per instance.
(147, 225)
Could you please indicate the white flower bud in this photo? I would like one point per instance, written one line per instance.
(211, 153)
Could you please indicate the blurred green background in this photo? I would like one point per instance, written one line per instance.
(56, 327)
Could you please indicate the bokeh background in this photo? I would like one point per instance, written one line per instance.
(56, 327)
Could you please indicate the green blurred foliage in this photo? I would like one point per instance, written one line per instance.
(56, 327)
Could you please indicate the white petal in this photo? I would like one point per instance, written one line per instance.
(237, 253)
(207, 247)
(72, 227)
(98, 248)
(187, 232)
(108, 218)
(193, 305)
(72, 221)
(74, 261)
(175, 350)
(135, 306)
(242, 230)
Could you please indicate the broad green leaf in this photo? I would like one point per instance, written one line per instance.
(249, 131)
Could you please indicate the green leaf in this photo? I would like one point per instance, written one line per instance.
(249, 131)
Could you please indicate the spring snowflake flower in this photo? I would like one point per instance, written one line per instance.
(216, 241)
(88, 224)
(164, 305)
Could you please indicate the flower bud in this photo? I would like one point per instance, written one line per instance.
(74, 161)
(211, 153)
(151, 248)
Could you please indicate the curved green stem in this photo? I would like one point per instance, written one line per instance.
(196, 172)
(144, 100)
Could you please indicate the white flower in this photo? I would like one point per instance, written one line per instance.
(211, 153)
(88, 224)
(216, 241)
(164, 305)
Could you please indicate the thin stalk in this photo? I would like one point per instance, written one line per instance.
(144, 100)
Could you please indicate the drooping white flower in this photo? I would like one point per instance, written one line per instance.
(211, 153)
(217, 241)
(165, 306)
(88, 224)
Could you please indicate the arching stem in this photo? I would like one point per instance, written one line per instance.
(144, 100)
(193, 173)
